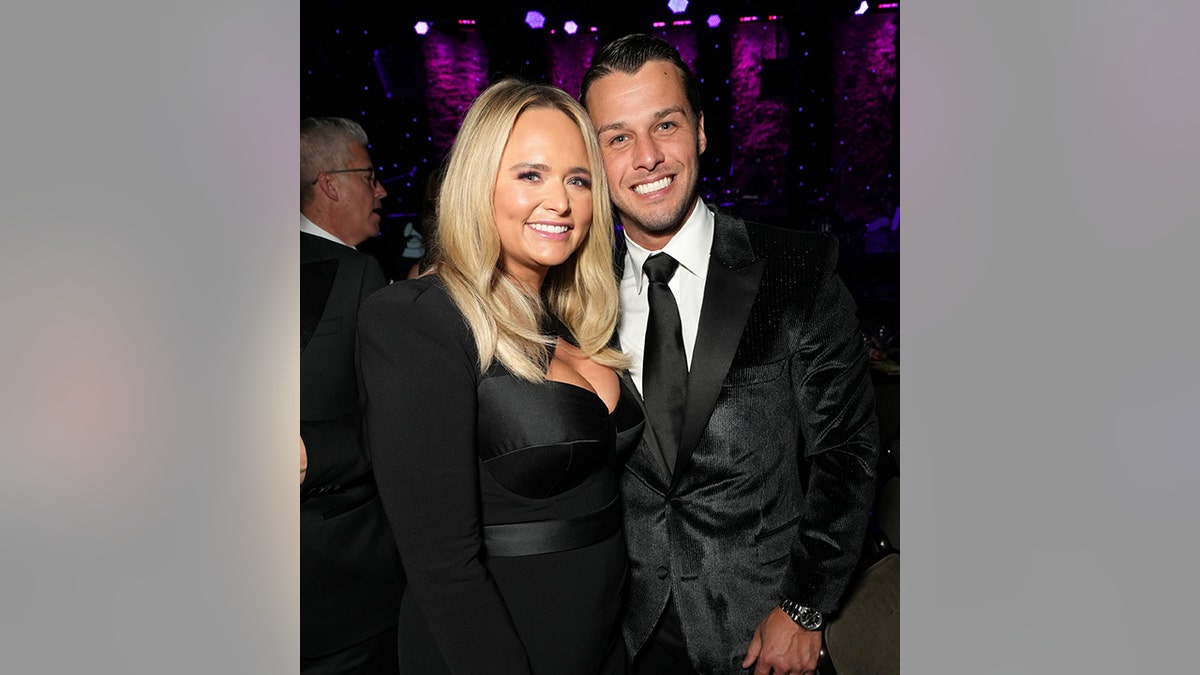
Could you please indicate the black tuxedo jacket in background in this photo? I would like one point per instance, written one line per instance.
(350, 575)
(776, 470)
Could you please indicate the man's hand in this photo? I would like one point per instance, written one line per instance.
(781, 647)
(303, 461)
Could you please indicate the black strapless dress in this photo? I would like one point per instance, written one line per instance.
(551, 454)
(502, 495)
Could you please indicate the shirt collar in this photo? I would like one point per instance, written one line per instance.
(690, 245)
(312, 228)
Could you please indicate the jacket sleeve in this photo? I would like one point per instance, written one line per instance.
(832, 383)
(420, 376)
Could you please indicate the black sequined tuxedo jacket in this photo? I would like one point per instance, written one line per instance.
(774, 477)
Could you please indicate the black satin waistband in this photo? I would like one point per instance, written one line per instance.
(510, 540)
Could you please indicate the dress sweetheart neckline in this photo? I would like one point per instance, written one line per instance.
(587, 391)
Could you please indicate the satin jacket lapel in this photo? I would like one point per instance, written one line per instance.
(729, 292)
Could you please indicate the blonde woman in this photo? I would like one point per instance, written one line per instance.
(495, 415)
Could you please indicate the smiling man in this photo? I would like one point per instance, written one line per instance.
(747, 501)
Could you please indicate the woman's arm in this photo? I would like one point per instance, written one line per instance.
(420, 375)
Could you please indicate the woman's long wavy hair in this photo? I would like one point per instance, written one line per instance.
(505, 315)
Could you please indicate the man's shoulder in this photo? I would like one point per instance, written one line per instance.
(778, 234)
(312, 244)
(316, 249)
(782, 245)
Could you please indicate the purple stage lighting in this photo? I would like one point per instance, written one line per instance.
(714, 21)
(862, 9)
(570, 27)
(535, 19)
(677, 6)
(421, 27)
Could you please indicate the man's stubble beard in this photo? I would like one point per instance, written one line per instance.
(660, 223)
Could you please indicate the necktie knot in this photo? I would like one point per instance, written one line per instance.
(660, 267)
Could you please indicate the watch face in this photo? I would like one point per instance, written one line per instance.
(810, 618)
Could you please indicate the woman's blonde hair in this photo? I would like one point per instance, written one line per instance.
(505, 315)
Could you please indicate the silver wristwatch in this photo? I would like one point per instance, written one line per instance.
(807, 617)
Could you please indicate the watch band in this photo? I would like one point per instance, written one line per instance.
(806, 617)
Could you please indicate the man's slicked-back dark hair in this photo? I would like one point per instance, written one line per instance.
(629, 53)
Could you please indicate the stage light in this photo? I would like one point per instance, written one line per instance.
(677, 6)
(535, 19)
(421, 28)
(570, 27)
(714, 21)
(862, 9)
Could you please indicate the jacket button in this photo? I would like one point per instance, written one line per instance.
(662, 572)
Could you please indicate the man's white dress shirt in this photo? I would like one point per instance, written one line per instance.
(690, 246)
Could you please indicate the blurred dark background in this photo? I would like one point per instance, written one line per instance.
(802, 101)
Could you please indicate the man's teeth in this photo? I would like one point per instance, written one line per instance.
(651, 187)
(551, 229)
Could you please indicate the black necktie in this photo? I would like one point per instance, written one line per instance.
(664, 362)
